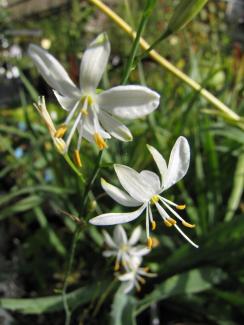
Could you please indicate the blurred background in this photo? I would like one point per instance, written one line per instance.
(36, 183)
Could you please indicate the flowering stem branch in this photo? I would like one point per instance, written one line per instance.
(73, 167)
(94, 174)
(166, 64)
(146, 13)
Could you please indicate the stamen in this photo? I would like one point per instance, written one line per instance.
(84, 111)
(181, 206)
(153, 225)
(61, 131)
(167, 223)
(172, 221)
(116, 266)
(149, 242)
(77, 158)
(146, 269)
(187, 224)
(154, 199)
(100, 141)
(141, 280)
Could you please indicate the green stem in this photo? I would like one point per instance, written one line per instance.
(73, 167)
(94, 174)
(146, 13)
(67, 310)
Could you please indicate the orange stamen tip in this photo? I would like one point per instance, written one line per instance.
(100, 141)
(154, 225)
(84, 111)
(172, 221)
(77, 159)
(60, 131)
(116, 266)
(149, 242)
(188, 225)
(167, 223)
(181, 206)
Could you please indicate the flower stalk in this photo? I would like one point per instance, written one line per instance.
(221, 107)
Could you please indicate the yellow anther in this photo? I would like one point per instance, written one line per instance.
(154, 199)
(100, 141)
(188, 225)
(116, 266)
(146, 269)
(84, 111)
(153, 225)
(181, 206)
(88, 99)
(149, 242)
(167, 223)
(77, 159)
(141, 280)
(60, 131)
(172, 221)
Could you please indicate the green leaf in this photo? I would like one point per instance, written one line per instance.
(49, 304)
(190, 282)
(237, 190)
(123, 308)
(183, 14)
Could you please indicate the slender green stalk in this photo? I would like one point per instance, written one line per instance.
(221, 107)
(94, 174)
(67, 310)
(146, 13)
(73, 167)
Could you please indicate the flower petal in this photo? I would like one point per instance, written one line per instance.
(178, 162)
(107, 219)
(94, 62)
(132, 182)
(114, 127)
(119, 235)
(151, 180)
(66, 102)
(109, 253)
(118, 195)
(135, 236)
(108, 240)
(129, 102)
(139, 250)
(127, 276)
(52, 71)
(160, 162)
(128, 286)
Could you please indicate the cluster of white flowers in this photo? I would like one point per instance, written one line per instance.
(128, 256)
(94, 115)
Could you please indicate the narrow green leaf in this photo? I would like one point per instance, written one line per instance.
(183, 14)
(123, 308)
(190, 282)
(49, 304)
(237, 190)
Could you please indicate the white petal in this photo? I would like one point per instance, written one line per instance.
(114, 127)
(109, 253)
(127, 287)
(127, 276)
(118, 195)
(151, 180)
(119, 235)
(140, 250)
(135, 236)
(108, 240)
(52, 71)
(178, 162)
(132, 182)
(160, 162)
(107, 219)
(129, 102)
(67, 103)
(94, 62)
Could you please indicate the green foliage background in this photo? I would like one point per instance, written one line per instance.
(203, 286)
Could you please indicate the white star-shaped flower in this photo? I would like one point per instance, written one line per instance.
(134, 277)
(122, 248)
(93, 114)
(144, 190)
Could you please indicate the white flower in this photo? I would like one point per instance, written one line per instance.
(144, 190)
(123, 248)
(134, 277)
(93, 115)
